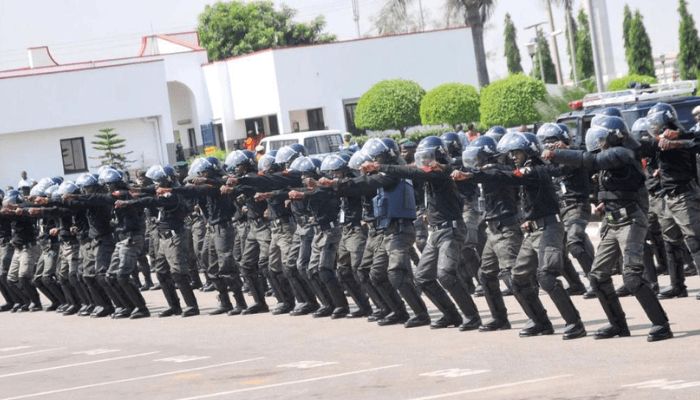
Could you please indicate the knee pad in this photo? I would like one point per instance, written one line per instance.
(377, 277)
(345, 274)
(547, 280)
(326, 275)
(693, 244)
(632, 282)
(577, 250)
(397, 278)
(363, 276)
(486, 277)
(447, 280)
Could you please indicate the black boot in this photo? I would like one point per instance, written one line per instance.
(103, 304)
(613, 310)
(574, 327)
(21, 299)
(539, 324)
(396, 308)
(438, 296)
(52, 286)
(235, 286)
(412, 298)
(224, 301)
(119, 303)
(465, 303)
(285, 292)
(39, 285)
(497, 307)
(576, 286)
(655, 313)
(507, 280)
(170, 294)
(31, 293)
(183, 283)
(338, 299)
(134, 295)
(120, 298)
(71, 298)
(676, 274)
(364, 309)
(6, 294)
(257, 290)
(326, 309)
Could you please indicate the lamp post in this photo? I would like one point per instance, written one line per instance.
(533, 47)
(662, 59)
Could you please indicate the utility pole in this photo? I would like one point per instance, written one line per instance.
(555, 46)
(534, 47)
(356, 16)
(572, 45)
(597, 64)
(422, 17)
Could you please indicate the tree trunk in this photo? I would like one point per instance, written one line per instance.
(480, 54)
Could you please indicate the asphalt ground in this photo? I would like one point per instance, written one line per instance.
(48, 356)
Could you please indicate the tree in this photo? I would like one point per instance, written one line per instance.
(512, 52)
(584, 48)
(511, 101)
(450, 103)
(626, 26)
(235, 28)
(109, 143)
(550, 74)
(395, 18)
(476, 13)
(689, 54)
(390, 104)
(641, 60)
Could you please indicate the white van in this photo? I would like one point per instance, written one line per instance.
(317, 143)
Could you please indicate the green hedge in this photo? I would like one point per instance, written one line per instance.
(624, 82)
(413, 136)
(390, 104)
(450, 103)
(511, 101)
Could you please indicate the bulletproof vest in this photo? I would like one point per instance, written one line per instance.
(621, 183)
(399, 202)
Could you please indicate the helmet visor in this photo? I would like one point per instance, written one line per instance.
(425, 157)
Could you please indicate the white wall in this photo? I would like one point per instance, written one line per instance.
(322, 76)
(254, 90)
(39, 152)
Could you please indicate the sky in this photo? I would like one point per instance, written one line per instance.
(78, 30)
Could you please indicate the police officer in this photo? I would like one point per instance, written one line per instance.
(676, 152)
(354, 236)
(623, 200)
(574, 190)
(325, 206)
(542, 250)
(171, 259)
(395, 211)
(503, 234)
(441, 259)
(408, 151)
(6, 251)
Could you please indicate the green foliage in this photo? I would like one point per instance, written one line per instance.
(450, 103)
(109, 143)
(584, 48)
(552, 106)
(689, 54)
(574, 34)
(624, 82)
(415, 136)
(233, 28)
(512, 52)
(640, 60)
(511, 101)
(626, 26)
(390, 104)
(550, 74)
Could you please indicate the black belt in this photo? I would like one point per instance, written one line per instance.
(679, 191)
(622, 213)
(276, 223)
(498, 224)
(443, 225)
(540, 223)
(328, 225)
(167, 234)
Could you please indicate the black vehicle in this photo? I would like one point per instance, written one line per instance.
(633, 103)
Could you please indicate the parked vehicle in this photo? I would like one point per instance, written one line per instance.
(317, 143)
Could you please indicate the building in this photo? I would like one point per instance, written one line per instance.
(667, 68)
(170, 94)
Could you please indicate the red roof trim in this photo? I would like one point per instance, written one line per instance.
(144, 41)
(48, 52)
(178, 42)
(343, 41)
(81, 69)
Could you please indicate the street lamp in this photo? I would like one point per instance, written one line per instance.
(662, 59)
(534, 50)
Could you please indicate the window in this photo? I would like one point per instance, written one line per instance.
(192, 137)
(349, 107)
(315, 118)
(73, 154)
(311, 145)
(278, 144)
(272, 122)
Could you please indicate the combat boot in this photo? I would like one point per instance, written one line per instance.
(258, 291)
(394, 319)
(188, 296)
(168, 287)
(437, 295)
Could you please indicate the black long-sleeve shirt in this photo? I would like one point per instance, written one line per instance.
(500, 203)
(171, 210)
(98, 212)
(218, 208)
(677, 168)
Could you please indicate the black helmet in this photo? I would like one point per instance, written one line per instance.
(609, 132)
(391, 143)
(430, 149)
(240, 158)
(303, 164)
(524, 141)
(496, 132)
(452, 143)
(110, 176)
(267, 162)
(334, 163)
(86, 180)
(662, 116)
(640, 130)
(287, 154)
(549, 133)
(479, 151)
(67, 187)
(215, 163)
(160, 174)
(200, 166)
(377, 149)
(13, 197)
(610, 112)
(358, 159)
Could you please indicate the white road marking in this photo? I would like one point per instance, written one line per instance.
(455, 372)
(289, 383)
(95, 352)
(30, 353)
(182, 359)
(663, 384)
(307, 364)
(138, 378)
(494, 387)
(33, 371)
(4, 349)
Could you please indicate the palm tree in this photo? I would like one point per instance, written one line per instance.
(568, 6)
(476, 13)
(393, 17)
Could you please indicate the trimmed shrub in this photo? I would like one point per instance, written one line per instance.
(450, 103)
(390, 104)
(511, 101)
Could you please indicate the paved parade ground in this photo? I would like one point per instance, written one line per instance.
(45, 355)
